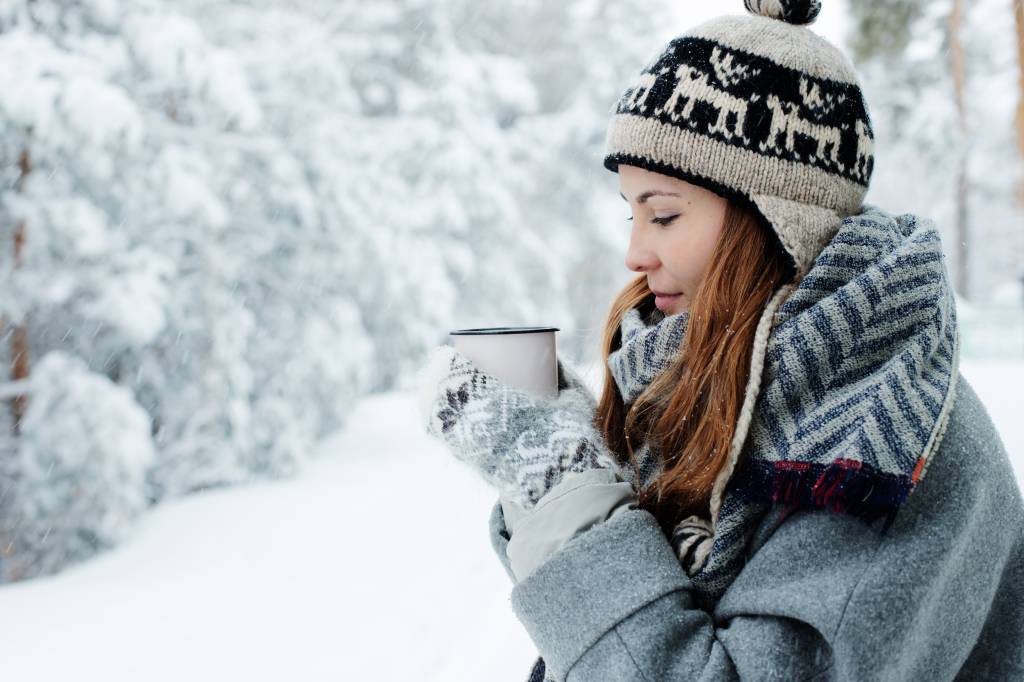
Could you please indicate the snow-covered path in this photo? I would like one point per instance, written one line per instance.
(374, 564)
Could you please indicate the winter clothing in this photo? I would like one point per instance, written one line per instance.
(820, 595)
(870, 331)
(519, 442)
(647, 347)
(849, 450)
(857, 384)
(793, 11)
(732, 105)
(758, 109)
(853, 393)
(539, 532)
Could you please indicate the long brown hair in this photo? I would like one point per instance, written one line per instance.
(689, 411)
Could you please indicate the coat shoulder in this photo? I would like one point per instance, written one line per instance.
(972, 458)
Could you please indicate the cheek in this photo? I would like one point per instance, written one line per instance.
(684, 255)
(705, 233)
(690, 252)
(704, 246)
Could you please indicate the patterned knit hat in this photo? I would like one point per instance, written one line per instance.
(758, 109)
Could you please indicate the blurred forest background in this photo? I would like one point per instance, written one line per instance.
(222, 224)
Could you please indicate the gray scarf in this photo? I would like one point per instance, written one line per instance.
(648, 346)
(853, 375)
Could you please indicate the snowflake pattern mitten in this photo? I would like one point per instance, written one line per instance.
(519, 442)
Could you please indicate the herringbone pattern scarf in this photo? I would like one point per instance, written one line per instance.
(857, 381)
(648, 346)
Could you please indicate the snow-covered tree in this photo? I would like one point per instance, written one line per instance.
(902, 50)
(76, 482)
(250, 215)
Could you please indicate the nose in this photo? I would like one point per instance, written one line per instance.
(639, 258)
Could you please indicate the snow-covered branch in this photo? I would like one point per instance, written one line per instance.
(13, 389)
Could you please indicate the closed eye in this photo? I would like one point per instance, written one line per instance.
(661, 221)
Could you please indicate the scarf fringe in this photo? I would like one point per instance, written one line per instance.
(846, 486)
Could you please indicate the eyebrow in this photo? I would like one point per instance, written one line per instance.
(652, 193)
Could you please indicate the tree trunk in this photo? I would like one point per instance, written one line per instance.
(956, 55)
(19, 335)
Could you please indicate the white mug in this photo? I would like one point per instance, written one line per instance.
(522, 357)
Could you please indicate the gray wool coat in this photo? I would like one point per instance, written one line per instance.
(822, 596)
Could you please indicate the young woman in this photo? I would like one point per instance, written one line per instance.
(781, 374)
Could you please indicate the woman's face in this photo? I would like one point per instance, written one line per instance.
(676, 226)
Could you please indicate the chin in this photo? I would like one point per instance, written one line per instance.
(678, 308)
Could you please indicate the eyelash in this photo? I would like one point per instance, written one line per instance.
(660, 221)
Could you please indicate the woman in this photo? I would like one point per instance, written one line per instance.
(781, 374)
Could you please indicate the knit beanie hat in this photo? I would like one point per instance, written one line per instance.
(761, 110)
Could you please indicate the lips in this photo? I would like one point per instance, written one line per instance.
(664, 303)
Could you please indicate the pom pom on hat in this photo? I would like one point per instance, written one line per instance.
(790, 11)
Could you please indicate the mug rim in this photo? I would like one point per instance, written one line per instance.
(501, 330)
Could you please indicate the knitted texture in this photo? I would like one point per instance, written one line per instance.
(853, 397)
(648, 346)
(853, 377)
(793, 11)
(518, 442)
(758, 109)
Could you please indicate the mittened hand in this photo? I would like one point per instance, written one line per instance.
(519, 442)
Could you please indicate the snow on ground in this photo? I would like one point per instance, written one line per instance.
(374, 564)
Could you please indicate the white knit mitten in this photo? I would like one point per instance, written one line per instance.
(519, 442)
